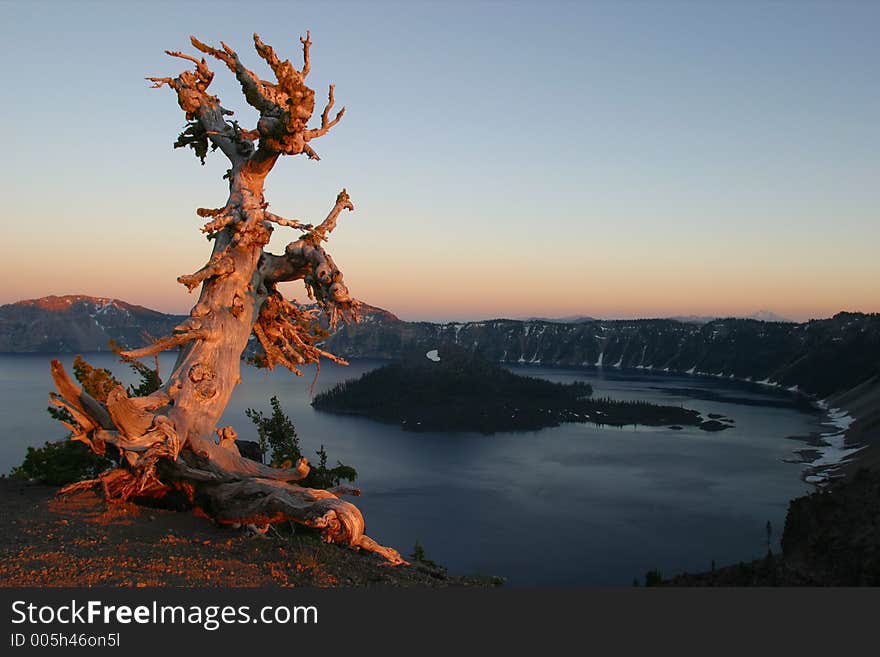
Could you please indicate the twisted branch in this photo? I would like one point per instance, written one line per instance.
(220, 265)
(289, 335)
(325, 123)
(205, 109)
(290, 223)
(307, 43)
(343, 202)
(306, 260)
(164, 344)
(255, 90)
(285, 106)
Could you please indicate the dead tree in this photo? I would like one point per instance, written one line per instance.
(169, 439)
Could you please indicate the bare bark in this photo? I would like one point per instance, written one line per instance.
(167, 440)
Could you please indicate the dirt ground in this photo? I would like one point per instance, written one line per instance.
(79, 540)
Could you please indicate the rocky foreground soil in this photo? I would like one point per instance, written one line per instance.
(79, 540)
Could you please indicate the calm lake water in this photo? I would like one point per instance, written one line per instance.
(575, 505)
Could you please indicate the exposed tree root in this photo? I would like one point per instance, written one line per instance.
(233, 489)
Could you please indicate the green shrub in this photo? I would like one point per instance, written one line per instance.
(320, 476)
(67, 461)
(653, 578)
(277, 432)
(60, 463)
(418, 554)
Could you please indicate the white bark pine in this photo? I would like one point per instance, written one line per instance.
(167, 439)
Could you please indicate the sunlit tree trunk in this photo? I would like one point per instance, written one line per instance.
(169, 439)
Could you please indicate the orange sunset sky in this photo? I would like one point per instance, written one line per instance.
(603, 159)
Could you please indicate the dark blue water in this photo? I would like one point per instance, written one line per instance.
(572, 505)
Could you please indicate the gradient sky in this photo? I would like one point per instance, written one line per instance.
(616, 159)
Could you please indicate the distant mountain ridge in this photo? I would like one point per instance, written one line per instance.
(819, 357)
(568, 319)
(762, 315)
(79, 323)
(770, 316)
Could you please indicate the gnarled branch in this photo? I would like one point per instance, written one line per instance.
(221, 265)
(220, 218)
(255, 90)
(306, 260)
(194, 99)
(285, 106)
(289, 335)
(343, 202)
(290, 223)
(307, 44)
(164, 344)
(326, 124)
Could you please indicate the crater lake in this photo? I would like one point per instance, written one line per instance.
(573, 505)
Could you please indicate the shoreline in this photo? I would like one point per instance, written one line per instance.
(838, 450)
(832, 448)
(862, 435)
(854, 414)
(854, 442)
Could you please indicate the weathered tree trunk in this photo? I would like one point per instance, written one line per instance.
(167, 440)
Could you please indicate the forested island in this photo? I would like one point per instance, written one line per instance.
(458, 390)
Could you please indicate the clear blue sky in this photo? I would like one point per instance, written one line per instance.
(506, 159)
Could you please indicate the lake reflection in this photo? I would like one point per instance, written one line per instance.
(573, 505)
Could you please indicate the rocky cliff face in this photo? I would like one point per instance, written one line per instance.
(833, 535)
(831, 538)
(819, 357)
(78, 323)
